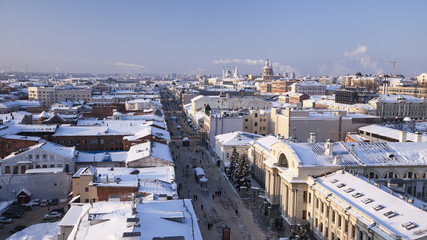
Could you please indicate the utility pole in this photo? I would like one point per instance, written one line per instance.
(394, 68)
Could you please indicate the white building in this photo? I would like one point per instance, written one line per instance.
(309, 87)
(42, 155)
(226, 143)
(394, 107)
(51, 95)
(124, 220)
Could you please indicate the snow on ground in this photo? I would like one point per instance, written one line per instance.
(41, 231)
(4, 205)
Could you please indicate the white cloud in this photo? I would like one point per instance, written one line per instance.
(277, 67)
(243, 61)
(129, 65)
(360, 54)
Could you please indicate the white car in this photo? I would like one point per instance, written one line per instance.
(44, 203)
(6, 220)
(35, 203)
(52, 215)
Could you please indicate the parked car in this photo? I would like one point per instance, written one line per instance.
(58, 210)
(26, 207)
(35, 203)
(53, 202)
(11, 213)
(52, 215)
(17, 229)
(6, 220)
(44, 203)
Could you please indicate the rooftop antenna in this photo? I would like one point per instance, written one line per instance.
(394, 68)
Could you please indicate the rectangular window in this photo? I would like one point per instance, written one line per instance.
(304, 213)
(256, 124)
(309, 197)
(86, 189)
(304, 196)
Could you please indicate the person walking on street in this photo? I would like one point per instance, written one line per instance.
(237, 212)
(201, 207)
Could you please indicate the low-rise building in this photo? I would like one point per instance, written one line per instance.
(392, 107)
(226, 143)
(173, 219)
(309, 87)
(326, 124)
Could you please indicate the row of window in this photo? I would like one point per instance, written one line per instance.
(92, 141)
(7, 169)
(391, 174)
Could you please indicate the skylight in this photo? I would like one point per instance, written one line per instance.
(358, 195)
(334, 181)
(378, 207)
(341, 185)
(390, 214)
(409, 225)
(349, 190)
(367, 200)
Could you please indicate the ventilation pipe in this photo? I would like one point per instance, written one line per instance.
(312, 137)
(402, 136)
(418, 137)
(352, 148)
(329, 147)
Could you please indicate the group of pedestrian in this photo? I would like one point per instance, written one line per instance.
(218, 193)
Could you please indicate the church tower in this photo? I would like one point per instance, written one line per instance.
(267, 72)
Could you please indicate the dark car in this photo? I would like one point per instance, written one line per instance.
(26, 207)
(11, 213)
(53, 202)
(17, 229)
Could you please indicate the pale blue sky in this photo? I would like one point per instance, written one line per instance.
(308, 37)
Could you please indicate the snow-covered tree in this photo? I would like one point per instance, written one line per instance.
(242, 172)
(233, 160)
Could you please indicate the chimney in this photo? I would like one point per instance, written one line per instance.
(336, 161)
(402, 136)
(312, 137)
(418, 137)
(352, 148)
(329, 147)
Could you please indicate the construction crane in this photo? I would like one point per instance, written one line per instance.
(394, 68)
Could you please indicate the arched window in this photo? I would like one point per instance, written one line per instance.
(411, 175)
(425, 175)
(52, 165)
(283, 161)
(391, 174)
(38, 166)
(373, 175)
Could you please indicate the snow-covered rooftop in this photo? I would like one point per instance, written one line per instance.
(390, 132)
(237, 138)
(156, 219)
(146, 149)
(371, 211)
(365, 154)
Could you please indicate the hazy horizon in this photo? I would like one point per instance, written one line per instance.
(200, 37)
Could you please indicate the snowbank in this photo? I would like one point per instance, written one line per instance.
(41, 231)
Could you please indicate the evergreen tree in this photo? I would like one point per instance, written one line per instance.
(233, 159)
(241, 173)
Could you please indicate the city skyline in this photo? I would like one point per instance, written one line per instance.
(317, 38)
